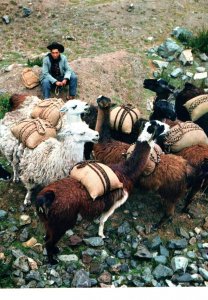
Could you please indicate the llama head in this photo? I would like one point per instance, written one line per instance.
(80, 133)
(163, 110)
(74, 107)
(103, 102)
(158, 86)
(153, 131)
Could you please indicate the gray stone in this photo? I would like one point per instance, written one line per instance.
(160, 64)
(111, 261)
(81, 279)
(192, 240)
(162, 272)
(183, 278)
(33, 275)
(138, 283)
(197, 278)
(168, 48)
(203, 57)
(198, 76)
(176, 72)
(3, 214)
(90, 252)
(192, 268)
(24, 235)
(68, 258)
(147, 276)
(94, 241)
(13, 228)
(186, 57)
(32, 284)
(203, 273)
(124, 228)
(164, 251)
(21, 263)
(189, 74)
(6, 19)
(24, 220)
(143, 252)
(17, 253)
(19, 281)
(161, 259)
(179, 263)
(182, 232)
(200, 69)
(93, 281)
(184, 77)
(191, 254)
(177, 31)
(177, 244)
(26, 12)
(154, 243)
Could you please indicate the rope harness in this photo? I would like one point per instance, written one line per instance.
(126, 109)
(99, 171)
(177, 132)
(198, 100)
(35, 125)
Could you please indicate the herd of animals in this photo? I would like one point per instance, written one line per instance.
(139, 158)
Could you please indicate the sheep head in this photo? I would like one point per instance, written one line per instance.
(75, 107)
(80, 132)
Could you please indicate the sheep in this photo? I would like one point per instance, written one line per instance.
(59, 204)
(16, 100)
(52, 159)
(10, 146)
(4, 174)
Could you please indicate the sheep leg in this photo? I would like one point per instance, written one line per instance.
(28, 196)
(106, 215)
(15, 166)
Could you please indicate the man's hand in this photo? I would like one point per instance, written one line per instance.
(64, 82)
(59, 83)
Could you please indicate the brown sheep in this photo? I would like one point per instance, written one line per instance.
(59, 204)
(16, 100)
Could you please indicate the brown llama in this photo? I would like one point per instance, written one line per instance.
(16, 101)
(59, 204)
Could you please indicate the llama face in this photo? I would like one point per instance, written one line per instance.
(75, 107)
(81, 133)
(158, 85)
(152, 130)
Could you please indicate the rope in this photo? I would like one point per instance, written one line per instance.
(57, 91)
(126, 109)
(97, 168)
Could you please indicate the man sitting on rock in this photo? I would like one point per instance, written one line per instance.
(57, 73)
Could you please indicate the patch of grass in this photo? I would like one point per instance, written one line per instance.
(4, 104)
(5, 274)
(199, 42)
(35, 62)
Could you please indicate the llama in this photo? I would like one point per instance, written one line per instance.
(108, 150)
(161, 87)
(52, 159)
(10, 146)
(16, 100)
(59, 204)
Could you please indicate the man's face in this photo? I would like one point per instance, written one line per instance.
(55, 53)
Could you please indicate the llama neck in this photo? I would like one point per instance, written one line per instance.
(103, 124)
(73, 118)
(133, 167)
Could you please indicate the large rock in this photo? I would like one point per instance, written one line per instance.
(179, 263)
(177, 244)
(186, 57)
(81, 279)
(94, 241)
(162, 272)
(169, 48)
(3, 214)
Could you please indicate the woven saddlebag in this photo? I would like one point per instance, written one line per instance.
(97, 178)
(197, 107)
(184, 134)
(49, 110)
(122, 118)
(153, 160)
(30, 77)
(31, 132)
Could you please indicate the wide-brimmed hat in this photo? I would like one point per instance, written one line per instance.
(56, 45)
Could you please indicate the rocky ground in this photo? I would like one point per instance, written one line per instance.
(107, 43)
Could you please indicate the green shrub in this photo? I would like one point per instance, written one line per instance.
(199, 42)
(35, 62)
(4, 104)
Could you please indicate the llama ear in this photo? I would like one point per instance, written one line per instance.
(63, 109)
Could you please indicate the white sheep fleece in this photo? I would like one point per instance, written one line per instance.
(52, 159)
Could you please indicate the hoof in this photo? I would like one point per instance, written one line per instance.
(56, 250)
(27, 202)
(52, 261)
